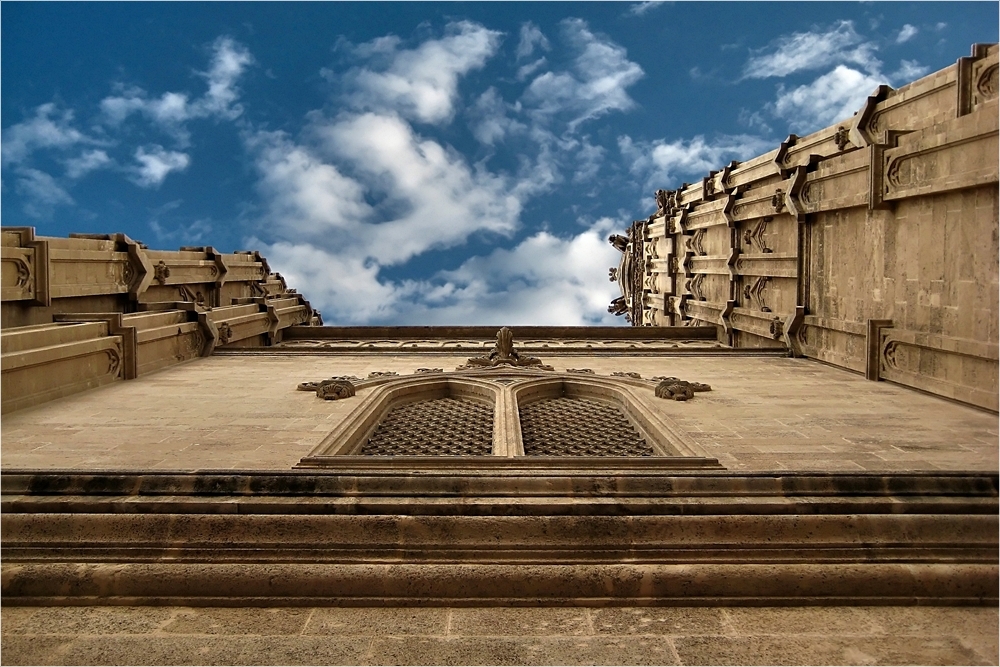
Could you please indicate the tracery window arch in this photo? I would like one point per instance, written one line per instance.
(520, 412)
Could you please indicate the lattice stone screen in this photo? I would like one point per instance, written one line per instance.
(439, 427)
(578, 427)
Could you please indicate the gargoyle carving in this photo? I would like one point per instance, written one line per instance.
(504, 354)
(333, 389)
(618, 241)
(663, 203)
(618, 306)
(677, 389)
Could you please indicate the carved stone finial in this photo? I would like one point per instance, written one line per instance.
(613, 274)
(662, 198)
(504, 354)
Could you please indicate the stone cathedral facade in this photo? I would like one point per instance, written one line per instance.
(791, 456)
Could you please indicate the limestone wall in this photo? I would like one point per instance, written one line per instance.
(870, 244)
(87, 310)
(244, 412)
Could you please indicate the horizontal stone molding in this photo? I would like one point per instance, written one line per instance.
(960, 153)
(963, 370)
(708, 214)
(757, 169)
(837, 183)
(767, 264)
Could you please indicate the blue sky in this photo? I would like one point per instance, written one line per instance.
(425, 163)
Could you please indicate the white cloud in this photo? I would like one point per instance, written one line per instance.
(812, 50)
(531, 38)
(640, 8)
(41, 192)
(835, 96)
(420, 83)
(171, 110)
(545, 279)
(47, 129)
(156, 163)
(490, 119)
(87, 162)
(906, 33)
(909, 70)
(432, 198)
(663, 164)
(601, 74)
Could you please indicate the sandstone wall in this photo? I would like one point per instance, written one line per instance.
(870, 244)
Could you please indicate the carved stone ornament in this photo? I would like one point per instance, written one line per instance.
(755, 235)
(842, 137)
(677, 389)
(429, 370)
(382, 374)
(663, 202)
(754, 294)
(225, 333)
(626, 374)
(580, 370)
(618, 241)
(631, 271)
(778, 201)
(613, 274)
(504, 354)
(161, 272)
(333, 389)
(23, 272)
(128, 274)
(987, 84)
(697, 241)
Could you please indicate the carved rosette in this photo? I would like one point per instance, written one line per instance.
(225, 333)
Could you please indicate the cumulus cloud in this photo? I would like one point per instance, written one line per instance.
(840, 44)
(833, 96)
(906, 33)
(48, 128)
(664, 164)
(596, 83)
(909, 70)
(41, 192)
(419, 83)
(544, 279)
(172, 110)
(531, 38)
(155, 163)
(89, 161)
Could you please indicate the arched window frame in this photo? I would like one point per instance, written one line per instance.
(507, 389)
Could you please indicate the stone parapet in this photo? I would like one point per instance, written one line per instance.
(146, 310)
(871, 219)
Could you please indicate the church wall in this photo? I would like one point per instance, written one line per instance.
(870, 244)
(244, 412)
